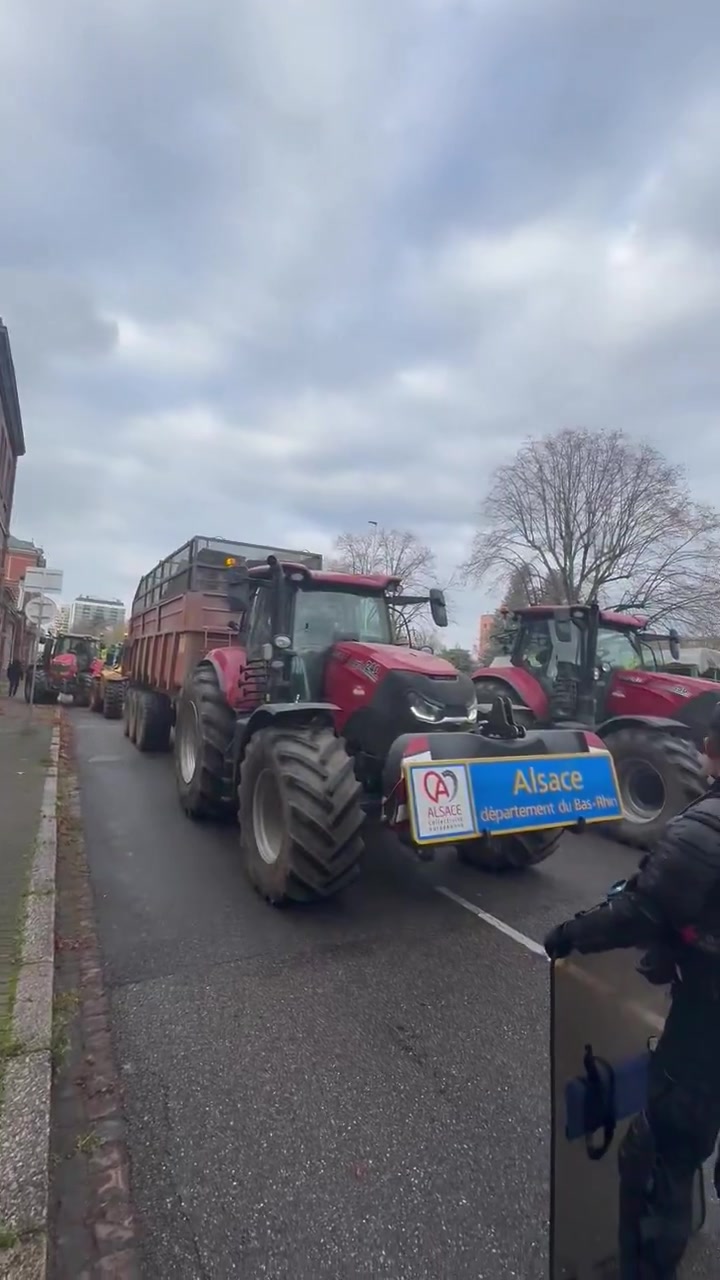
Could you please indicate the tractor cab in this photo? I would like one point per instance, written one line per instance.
(574, 651)
(328, 639)
(294, 618)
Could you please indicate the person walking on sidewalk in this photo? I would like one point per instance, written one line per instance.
(14, 675)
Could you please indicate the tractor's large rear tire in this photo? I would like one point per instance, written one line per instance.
(658, 774)
(204, 730)
(113, 700)
(300, 814)
(510, 853)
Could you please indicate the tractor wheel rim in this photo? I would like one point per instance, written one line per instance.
(188, 746)
(267, 817)
(643, 791)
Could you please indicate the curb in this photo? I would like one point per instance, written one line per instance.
(25, 1115)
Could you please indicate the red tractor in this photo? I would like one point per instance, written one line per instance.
(579, 665)
(293, 706)
(65, 668)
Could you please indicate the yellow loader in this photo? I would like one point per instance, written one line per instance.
(107, 695)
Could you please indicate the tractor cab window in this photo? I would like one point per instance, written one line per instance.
(548, 647)
(260, 630)
(618, 650)
(324, 617)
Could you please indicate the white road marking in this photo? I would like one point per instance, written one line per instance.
(650, 1018)
(103, 759)
(528, 943)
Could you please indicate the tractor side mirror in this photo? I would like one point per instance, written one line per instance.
(674, 639)
(438, 607)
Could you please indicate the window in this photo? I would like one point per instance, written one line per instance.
(260, 623)
(324, 617)
(548, 643)
(618, 650)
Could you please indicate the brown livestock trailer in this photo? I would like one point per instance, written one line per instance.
(181, 611)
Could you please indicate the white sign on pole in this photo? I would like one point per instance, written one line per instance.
(43, 580)
(41, 609)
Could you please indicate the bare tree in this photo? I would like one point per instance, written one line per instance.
(580, 515)
(398, 552)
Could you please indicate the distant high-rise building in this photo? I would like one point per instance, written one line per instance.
(92, 613)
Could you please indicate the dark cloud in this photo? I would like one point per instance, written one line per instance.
(273, 270)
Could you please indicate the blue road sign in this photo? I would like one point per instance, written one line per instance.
(453, 800)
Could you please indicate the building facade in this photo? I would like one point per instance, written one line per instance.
(92, 614)
(12, 447)
(19, 634)
(486, 626)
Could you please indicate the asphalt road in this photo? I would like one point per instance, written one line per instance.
(356, 1090)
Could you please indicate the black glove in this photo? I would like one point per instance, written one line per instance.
(559, 941)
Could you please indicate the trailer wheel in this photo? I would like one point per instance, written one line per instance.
(152, 732)
(112, 701)
(658, 775)
(204, 730)
(128, 713)
(300, 814)
(134, 715)
(510, 853)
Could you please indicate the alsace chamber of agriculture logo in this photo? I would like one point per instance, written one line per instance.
(440, 788)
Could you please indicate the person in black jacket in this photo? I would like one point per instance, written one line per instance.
(670, 908)
(14, 675)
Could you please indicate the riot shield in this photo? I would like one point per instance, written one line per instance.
(605, 1021)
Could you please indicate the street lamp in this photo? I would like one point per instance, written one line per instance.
(373, 543)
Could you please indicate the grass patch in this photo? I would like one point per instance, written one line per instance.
(12, 1049)
(8, 1237)
(6, 1020)
(87, 1143)
(65, 1005)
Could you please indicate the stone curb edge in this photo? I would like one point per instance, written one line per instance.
(25, 1115)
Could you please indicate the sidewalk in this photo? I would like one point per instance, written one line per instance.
(28, 752)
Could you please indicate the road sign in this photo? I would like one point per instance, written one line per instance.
(41, 609)
(43, 580)
(453, 800)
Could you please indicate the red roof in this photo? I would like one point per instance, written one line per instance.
(325, 577)
(630, 621)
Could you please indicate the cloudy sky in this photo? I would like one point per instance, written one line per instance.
(275, 268)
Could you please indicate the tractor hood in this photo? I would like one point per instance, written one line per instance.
(688, 700)
(669, 685)
(394, 657)
(65, 664)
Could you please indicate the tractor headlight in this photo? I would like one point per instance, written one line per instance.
(425, 710)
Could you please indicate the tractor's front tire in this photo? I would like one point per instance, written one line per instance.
(510, 853)
(96, 697)
(300, 814)
(204, 730)
(658, 775)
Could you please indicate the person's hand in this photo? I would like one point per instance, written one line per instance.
(558, 942)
